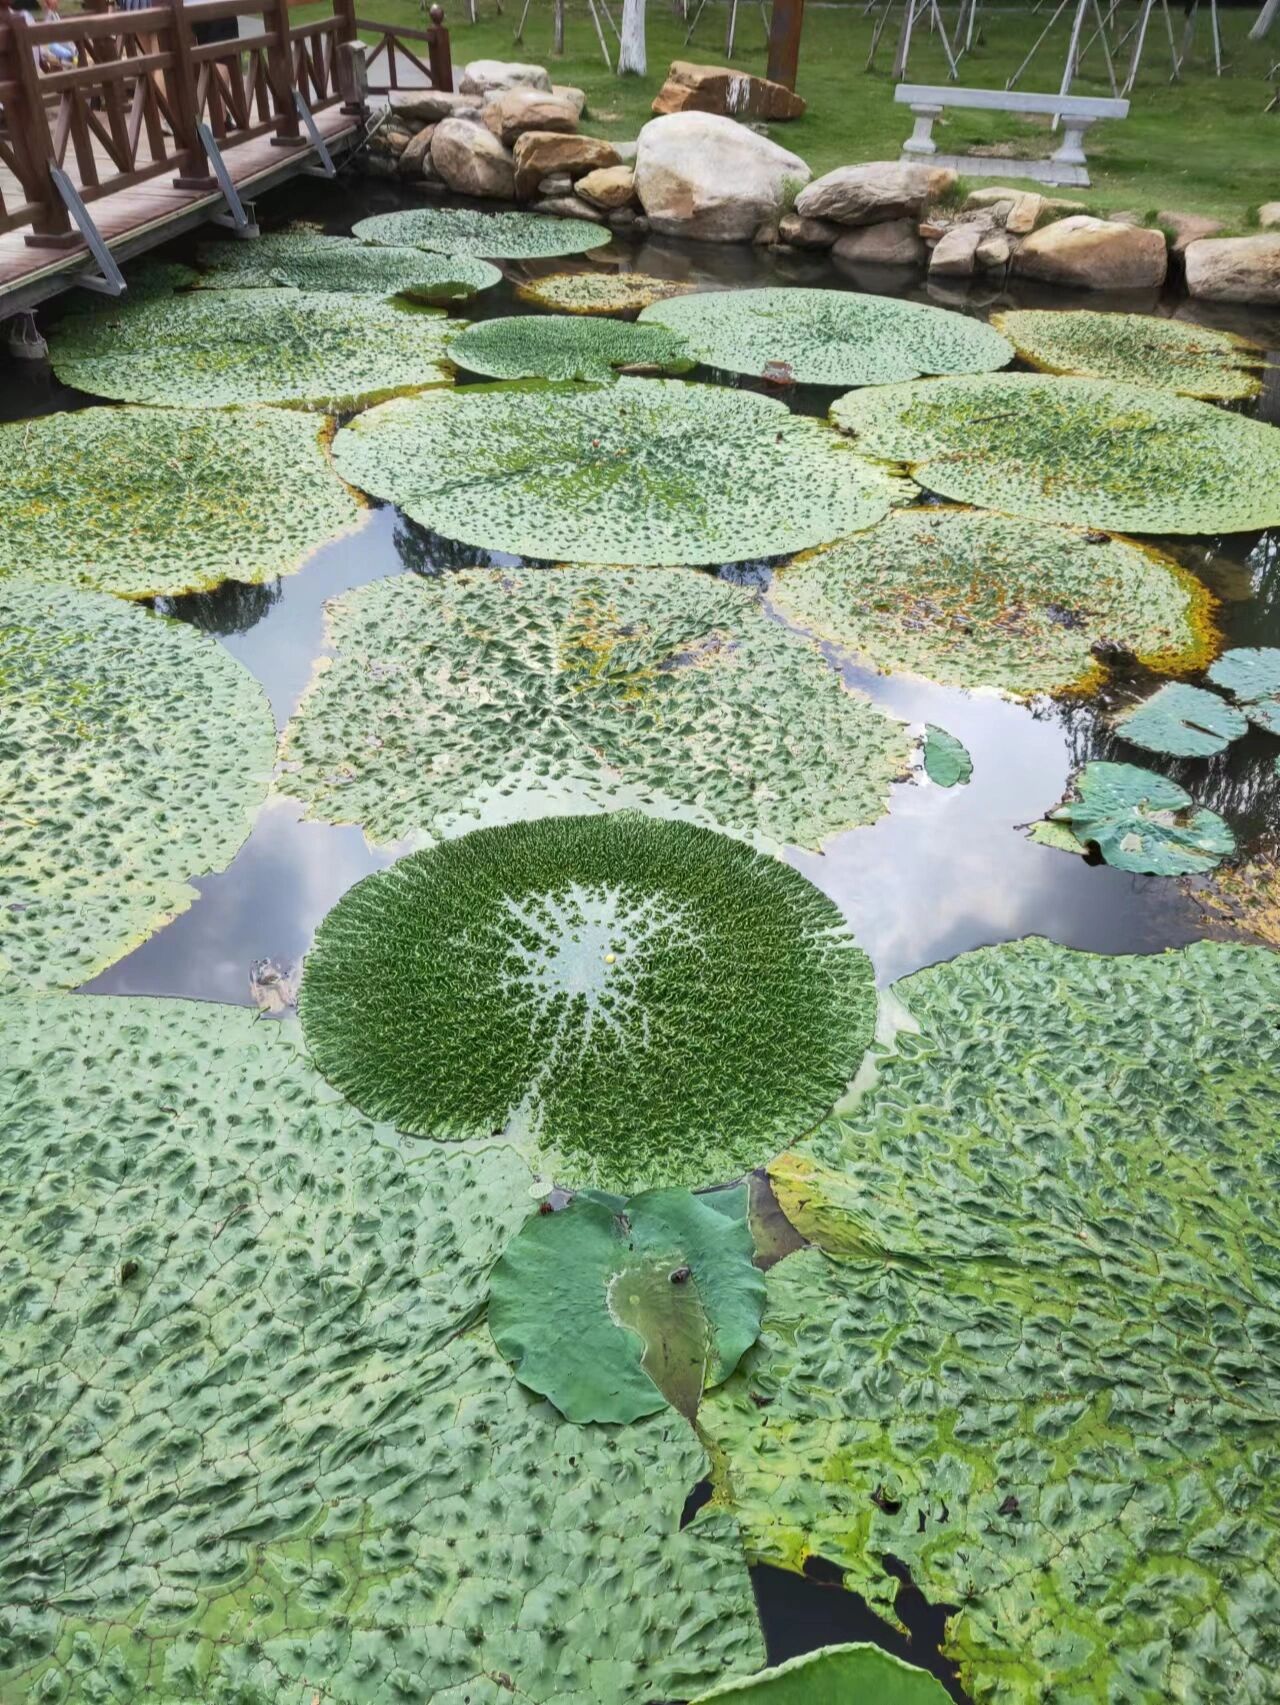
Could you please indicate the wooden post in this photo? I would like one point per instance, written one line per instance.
(32, 143)
(275, 17)
(439, 54)
(180, 87)
(784, 41)
(350, 67)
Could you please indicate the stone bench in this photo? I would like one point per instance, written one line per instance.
(1065, 166)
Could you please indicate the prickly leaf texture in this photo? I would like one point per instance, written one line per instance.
(835, 1675)
(1140, 349)
(133, 753)
(1183, 722)
(642, 471)
(566, 346)
(599, 292)
(255, 1446)
(1142, 821)
(651, 1003)
(307, 260)
(486, 696)
(1036, 1356)
(1251, 674)
(497, 236)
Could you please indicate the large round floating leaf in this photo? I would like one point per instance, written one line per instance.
(975, 599)
(1035, 1356)
(133, 752)
(615, 1309)
(305, 260)
(1183, 722)
(213, 348)
(643, 471)
(828, 337)
(599, 292)
(1142, 821)
(835, 1675)
(566, 346)
(486, 696)
(154, 502)
(495, 236)
(650, 1002)
(257, 1446)
(1141, 349)
(1251, 674)
(1080, 450)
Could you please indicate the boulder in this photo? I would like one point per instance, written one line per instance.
(703, 176)
(955, 253)
(628, 221)
(1235, 269)
(1094, 254)
(513, 111)
(895, 242)
(1268, 216)
(568, 207)
(484, 76)
(994, 194)
(471, 160)
(608, 187)
(1023, 213)
(1184, 228)
(808, 233)
(393, 139)
(411, 161)
(993, 252)
(557, 183)
(541, 153)
(732, 94)
(868, 195)
(429, 106)
(577, 98)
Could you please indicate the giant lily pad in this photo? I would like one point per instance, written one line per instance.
(975, 599)
(1251, 674)
(835, 1675)
(614, 1309)
(1096, 453)
(828, 337)
(1142, 821)
(1038, 1366)
(133, 751)
(599, 292)
(257, 1446)
(646, 470)
(152, 502)
(479, 697)
(211, 348)
(1183, 722)
(651, 1003)
(1141, 349)
(305, 260)
(496, 236)
(566, 346)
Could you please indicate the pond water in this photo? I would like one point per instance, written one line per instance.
(943, 872)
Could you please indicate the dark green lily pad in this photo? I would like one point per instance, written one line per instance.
(1183, 722)
(946, 762)
(1143, 822)
(495, 236)
(306, 260)
(566, 346)
(835, 1675)
(1252, 675)
(1140, 349)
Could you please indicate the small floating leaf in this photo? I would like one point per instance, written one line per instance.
(1252, 675)
(599, 292)
(835, 1675)
(1140, 349)
(1142, 821)
(946, 762)
(496, 236)
(566, 346)
(1182, 721)
(305, 260)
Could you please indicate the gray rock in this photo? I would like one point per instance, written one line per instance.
(569, 207)
(483, 76)
(893, 242)
(577, 98)
(557, 183)
(1094, 254)
(707, 177)
(471, 160)
(955, 253)
(873, 194)
(993, 252)
(1235, 269)
(429, 106)
(514, 111)
(1187, 228)
(803, 233)
(410, 163)
(1268, 216)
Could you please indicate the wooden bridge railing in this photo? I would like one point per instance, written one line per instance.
(392, 39)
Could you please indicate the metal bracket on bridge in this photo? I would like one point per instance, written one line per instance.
(108, 280)
(326, 169)
(235, 217)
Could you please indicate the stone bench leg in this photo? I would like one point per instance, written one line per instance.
(921, 139)
(1071, 152)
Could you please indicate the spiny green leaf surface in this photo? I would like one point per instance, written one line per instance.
(485, 696)
(1183, 722)
(1252, 675)
(614, 1312)
(497, 236)
(1042, 1370)
(133, 752)
(149, 502)
(946, 762)
(213, 348)
(835, 1675)
(1140, 349)
(975, 599)
(642, 471)
(566, 346)
(1096, 453)
(253, 1447)
(652, 1003)
(599, 292)
(829, 337)
(1144, 822)
(306, 260)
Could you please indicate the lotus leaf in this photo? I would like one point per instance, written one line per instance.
(835, 1675)
(613, 1312)
(214, 348)
(133, 751)
(305, 260)
(256, 1447)
(1141, 349)
(1251, 674)
(1144, 822)
(1036, 1357)
(566, 346)
(1182, 721)
(143, 279)
(495, 236)
(599, 292)
(642, 471)
(483, 696)
(652, 1003)
(154, 502)
(946, 762)
(974, 599)
(828, 337)
(1088, 451)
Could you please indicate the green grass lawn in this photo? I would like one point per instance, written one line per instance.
(1203, 145)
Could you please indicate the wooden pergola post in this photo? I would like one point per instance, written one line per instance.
(784, 41)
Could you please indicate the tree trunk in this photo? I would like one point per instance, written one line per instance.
(1266, 17)
(557, 42)
(631, 54)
